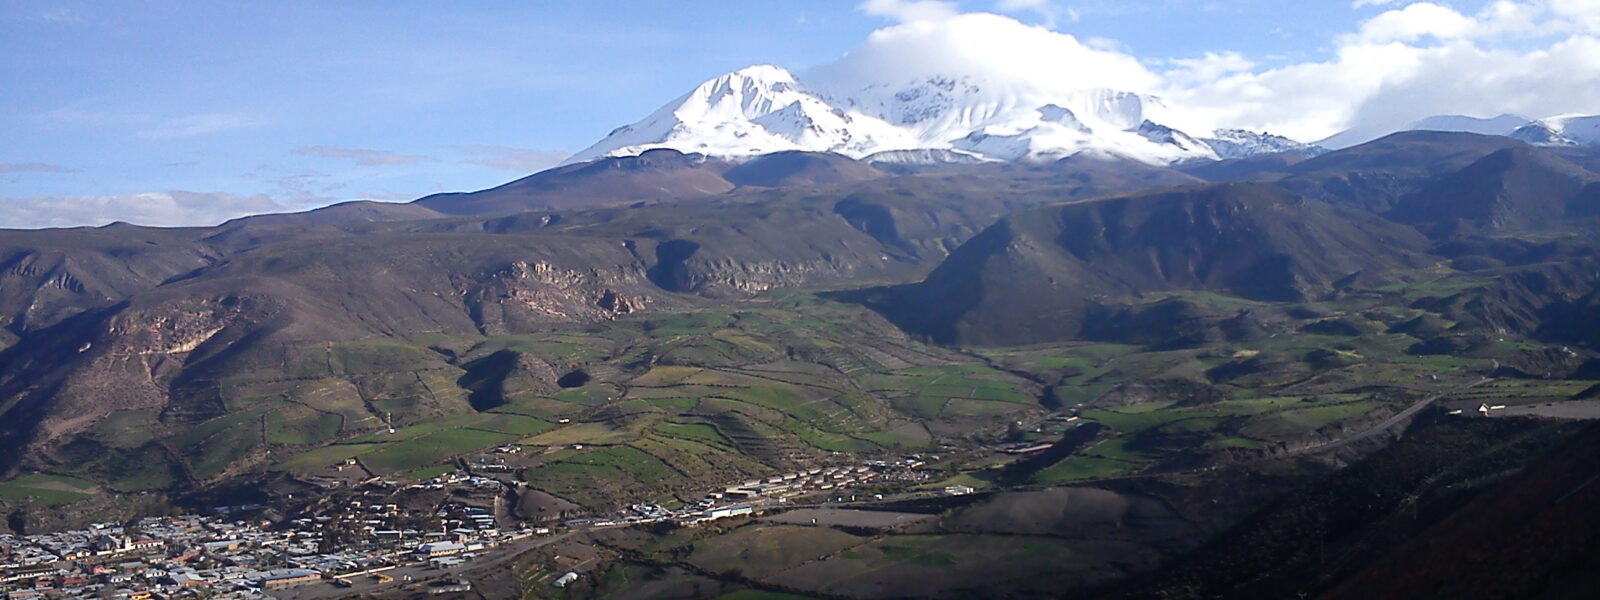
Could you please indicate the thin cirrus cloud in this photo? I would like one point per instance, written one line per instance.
(202, 124)
(161, 209)
(10, 168)
(507, 158)
(153, 127)
(365, 157)
(909, 11)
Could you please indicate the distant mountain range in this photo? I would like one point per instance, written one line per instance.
(1560, 130)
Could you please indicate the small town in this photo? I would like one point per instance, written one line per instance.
(378, 532)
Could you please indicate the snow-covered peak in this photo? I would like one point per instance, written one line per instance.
(1539, 134)
(1581, 129)
(765, 109)
(983, 85)
(1238, 143)
(755, 110)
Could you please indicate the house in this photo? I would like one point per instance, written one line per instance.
(565, 580)
(958, 490)
(450, 586)
(290, 578)
(188, 580)
(437, 549)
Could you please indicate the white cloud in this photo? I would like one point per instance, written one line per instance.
(160, 209)
(1211, 67)
(1532, 57)
(1584, 14)
(909, 11)
(202, 124)
(984, 46)
(1412, 23)
(364, 156)
(1536, 58)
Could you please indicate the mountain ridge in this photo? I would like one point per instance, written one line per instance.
(764, 109)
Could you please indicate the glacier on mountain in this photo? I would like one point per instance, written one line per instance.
(911, 88)
(764, 109)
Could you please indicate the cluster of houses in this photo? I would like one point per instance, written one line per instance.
(164, 557)
(222, 557)
(800, 483)
(366, 534)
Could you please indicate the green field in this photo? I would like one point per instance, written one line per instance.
(431, 449)
(46, 490)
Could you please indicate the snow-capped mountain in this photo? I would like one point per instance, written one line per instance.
(923, 157)
(752, 111)
(1561, 130)
(764, 109)
(1238, 143)
(974, 87)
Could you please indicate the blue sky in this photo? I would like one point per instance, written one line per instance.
(287, 104)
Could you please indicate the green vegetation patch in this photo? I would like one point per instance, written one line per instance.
(312, 461)
(46, 490)
(697, 432)
(432, 448)
(300, 426)
(513, 424)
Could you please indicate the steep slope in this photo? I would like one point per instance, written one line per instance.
(1558, 301)
(1513, 190)
(1586, 157)
(1231, 144)
(1540, 134)
(648, 177)
(1534, 536)
(1456, 508)
(47, 276)
(1264, 167)
(792, 169)
(262, 315)
(1037, 275)
(1377, 174)
(1562, 130)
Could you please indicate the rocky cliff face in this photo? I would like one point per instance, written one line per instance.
(524, 296)
(46, 278)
